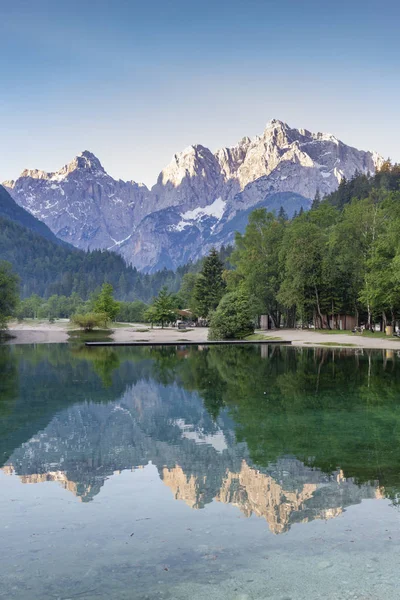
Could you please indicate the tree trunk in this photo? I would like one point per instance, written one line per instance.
(319, 308)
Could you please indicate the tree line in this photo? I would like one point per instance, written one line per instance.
(47, 269)
(340, 257)
(102, 307)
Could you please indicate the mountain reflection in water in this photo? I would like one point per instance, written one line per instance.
(290, 435)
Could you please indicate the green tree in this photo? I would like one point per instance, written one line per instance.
(105, 302)
(317, 200)
(303, 250)
(32, 306)
(8, 293)
(131, 312)
(381, 289)
(186, 290)
(282, 215)
(232, 318)
(210, 286)
(256, 258)
(163, 308)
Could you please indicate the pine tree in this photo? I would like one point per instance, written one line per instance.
(210, 286)
(317, 200)
(301, 211)
(163, 309)
(282, 215)
(105, 302)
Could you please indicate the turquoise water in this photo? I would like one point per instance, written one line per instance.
(224, 472)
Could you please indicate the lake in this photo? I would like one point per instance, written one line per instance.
(201, 473)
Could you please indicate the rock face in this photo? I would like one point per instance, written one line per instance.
(81, 203)
(199, 200)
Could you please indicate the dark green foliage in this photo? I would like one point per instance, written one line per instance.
(360, 186)
(48, 268)
(131, 312)
(317, 200)
(186, 292)
(341, 257)
(256, 258)
(8, 293)
(55, 307)
(163, 309)
(282, 214)
(105, 302)
(11, 210)
(210, 286)
(232, 318)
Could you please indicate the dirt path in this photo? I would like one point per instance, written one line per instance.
(312, 338)
(46, 333)
(30, 332)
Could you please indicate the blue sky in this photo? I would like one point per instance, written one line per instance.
(135, 82)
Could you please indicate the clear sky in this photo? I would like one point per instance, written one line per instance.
(136, 81)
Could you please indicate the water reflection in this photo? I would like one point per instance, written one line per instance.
(288, 435)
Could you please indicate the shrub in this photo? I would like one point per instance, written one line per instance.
(232, 318)
(89, 321)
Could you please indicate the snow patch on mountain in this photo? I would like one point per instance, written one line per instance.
(200, 199)
(216, 209)
(196, 215)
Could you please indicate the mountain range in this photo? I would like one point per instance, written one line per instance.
(199, 200)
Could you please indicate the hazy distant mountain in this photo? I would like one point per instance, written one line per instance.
(199, 199)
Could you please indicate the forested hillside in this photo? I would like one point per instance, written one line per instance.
(11, 210)
(341, 257)
(360, 186)
(47, 267)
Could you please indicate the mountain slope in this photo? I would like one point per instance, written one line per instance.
(80, 203)
(47, 267)
(11, 210)
(196, 199)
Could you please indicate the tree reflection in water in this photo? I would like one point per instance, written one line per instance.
(288, 434)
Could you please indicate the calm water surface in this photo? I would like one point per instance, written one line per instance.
(234, 473)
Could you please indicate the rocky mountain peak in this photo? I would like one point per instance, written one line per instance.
(193, 161)
(200, 197)
(85, 161)
(276, 124)
(8, 183)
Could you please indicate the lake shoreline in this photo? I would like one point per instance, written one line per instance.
(58, 332)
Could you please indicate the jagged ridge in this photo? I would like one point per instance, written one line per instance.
(196, 197)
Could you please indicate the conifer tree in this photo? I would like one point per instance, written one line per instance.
(317, 200)
(163, 309)
(105, 302)
(210, 286)
(282, 215)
